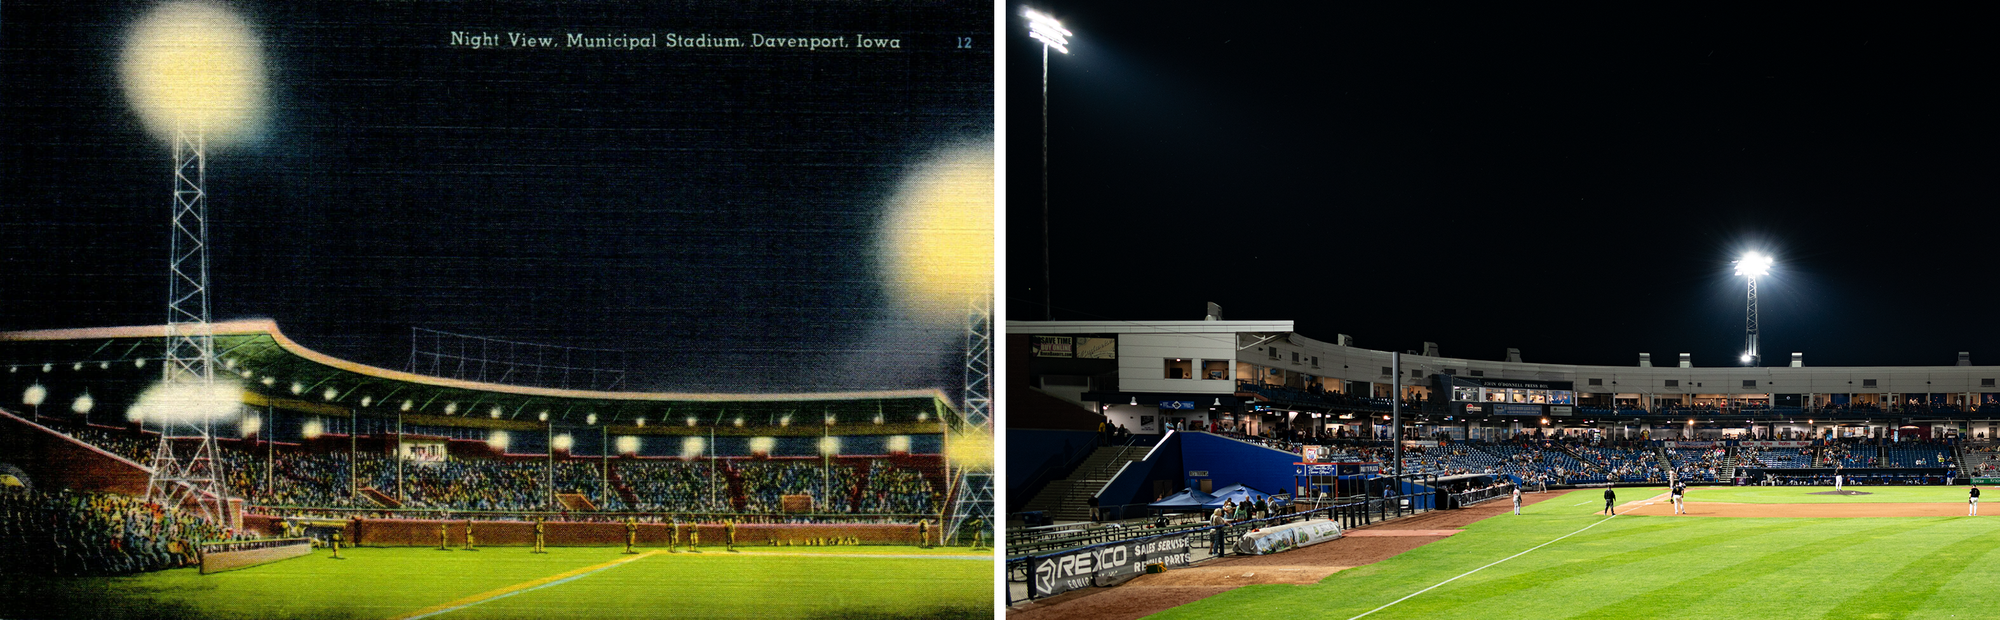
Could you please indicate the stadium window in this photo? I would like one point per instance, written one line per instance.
(1274, 353)
(1315, 361)
(1597, 382)
(1180, 368)
(1867, 383)
(1673, 383)
(1479, 373)
(1985, 383)
(1295, 357)
(1215, 369)
(1749, 383)
(1388, 371)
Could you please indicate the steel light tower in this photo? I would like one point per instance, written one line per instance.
(195, 472)
(1052, 35)
(1751, 266)
(973, 499)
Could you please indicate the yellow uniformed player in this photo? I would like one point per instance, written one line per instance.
(541, 531)
(337, 539)
(631, 534)
(468, 536)
(729, 528)
(978, 534)
(923, 533)
(694, 536)
(444, 536)
(674, 536)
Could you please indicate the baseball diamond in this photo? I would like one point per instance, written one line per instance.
(1746, 552)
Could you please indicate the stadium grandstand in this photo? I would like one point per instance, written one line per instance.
(1092, 396)
(385, 456)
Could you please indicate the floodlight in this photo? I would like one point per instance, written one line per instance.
(829, 445)
(762, 445)
(499, 440)
(544, 416)
(330, 394)
(739, 421)
(1753, 265)
(628, 444)
(1746, 357)
(450, 408)
(35, 395)
(642, 421)
(494, 412)
(366, 400)
(899, 443)
(1047, 30)
(590, 419)
(692, 447)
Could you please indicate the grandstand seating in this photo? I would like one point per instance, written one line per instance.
(1915, 455)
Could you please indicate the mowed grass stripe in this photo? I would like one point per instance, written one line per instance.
(1755, 567)
(519, 587)
(1896, 596)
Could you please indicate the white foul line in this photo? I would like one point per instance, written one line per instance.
(1414, 594)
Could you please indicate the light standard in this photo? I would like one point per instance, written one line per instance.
(1051, 33)
(1752, 265)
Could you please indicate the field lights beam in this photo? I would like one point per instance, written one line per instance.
(1047, 30)
(1752, 265)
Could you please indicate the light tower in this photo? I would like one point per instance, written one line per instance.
(1751, 266)
(194, 76)
(973, 499)
(1051, 33)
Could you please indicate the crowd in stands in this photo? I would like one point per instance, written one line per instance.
(65, 533)
(897, 490)
(674, 485)
(588, 479)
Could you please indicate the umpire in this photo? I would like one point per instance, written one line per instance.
(1609, 497)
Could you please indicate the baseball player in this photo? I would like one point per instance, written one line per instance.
(468, 536)
(1609, 497)
(1675, 493)
(1973, 500)
(674, 536)
(541, 529)
(1517, 499)
(444, 536)
(631, 534)
(729, 526)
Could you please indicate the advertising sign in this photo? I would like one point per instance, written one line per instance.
(1561, 410)
(1052, 346)
(1072, 570)
(1776, 444)
(1176, 404)
(1516, 409)
(1097, 348)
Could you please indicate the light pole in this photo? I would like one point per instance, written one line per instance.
(1051, 33)
(1752, 265)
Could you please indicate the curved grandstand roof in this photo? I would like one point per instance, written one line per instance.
(279, 372)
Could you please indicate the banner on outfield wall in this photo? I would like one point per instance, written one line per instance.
(1986, 480)
(1690, 444)
(1081, 568)
(1776, 444)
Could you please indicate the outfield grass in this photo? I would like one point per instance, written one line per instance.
(1804, 495)
(1629, 567)
(790, 582)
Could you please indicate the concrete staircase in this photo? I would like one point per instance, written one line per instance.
(1069, 499)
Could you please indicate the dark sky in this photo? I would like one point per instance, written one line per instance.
(713, 212)
(1572, 183)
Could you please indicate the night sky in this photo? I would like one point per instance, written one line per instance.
(1574, 184)
(716, 213)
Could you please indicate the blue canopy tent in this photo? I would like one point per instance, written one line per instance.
(1187, 499)
(1240, 493)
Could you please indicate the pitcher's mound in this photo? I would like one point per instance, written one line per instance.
(1841, 493)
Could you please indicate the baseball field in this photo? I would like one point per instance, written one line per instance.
(509, 582)
(1562, 558)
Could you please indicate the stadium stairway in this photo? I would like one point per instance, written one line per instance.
(624, 493)
(576, 502)
(380, 498)
(1666, 464)
(1069, 499)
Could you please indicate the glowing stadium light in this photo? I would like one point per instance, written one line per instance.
(692, 447)
(785, 421)
(139, 363)
(407, 405)
(494, 412)
(1047, 30)
(250, 426)
(762, 445)
(246, 373)
(104, 365)
(35, 395)
(313, 429)
(13, 370)
(229, 363)
(48, 367)
(1745, 358)
(366, 400)
(590, 419)
(269, 381)
(499, 440)
(564, 442)
(642, 422)
(76, 366)
(739, 421)
(690, 421)
(543, 416)
(829, 445)
(829, 419)
(628, 445)
(298, 388)
(899, 443)
(1753, 265)
(190, 402)
(330, 394)
(923, 415)
(194, 66)
(878, 419)
(450, 408)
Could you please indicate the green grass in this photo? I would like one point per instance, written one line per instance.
(792, 582)
(1630, 567)
(1804, 495)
